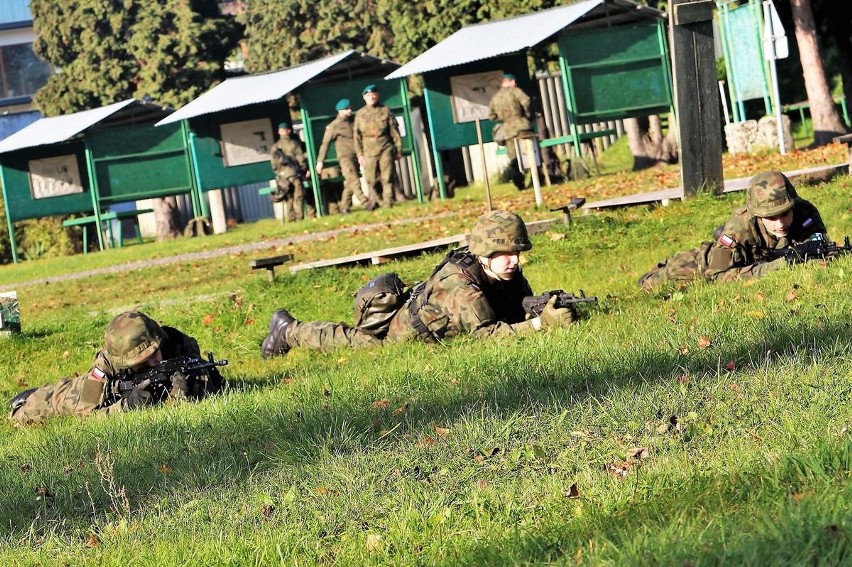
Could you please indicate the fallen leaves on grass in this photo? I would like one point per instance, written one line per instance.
(208, 319)
(704, 342)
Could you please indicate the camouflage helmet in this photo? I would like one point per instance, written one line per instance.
(499, 231)
(131, 338)
(770, 194)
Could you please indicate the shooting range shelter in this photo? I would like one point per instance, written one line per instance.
(85, 161)
(232, 126)
(612, 54)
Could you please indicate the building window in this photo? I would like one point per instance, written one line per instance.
(22, 73)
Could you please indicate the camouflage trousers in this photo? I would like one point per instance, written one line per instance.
(683, 266)
(71, 396)
(322, 335)
(381, 168)
(294, 195)
(351, 181)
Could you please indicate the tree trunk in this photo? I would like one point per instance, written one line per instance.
(826, 121)
(648, 144)
(167, 215)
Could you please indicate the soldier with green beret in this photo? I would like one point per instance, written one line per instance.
(511, 106)
(378, 145)
(131, 341)
(476, 290)
(291, 167)
(340, 132)
(774, 217)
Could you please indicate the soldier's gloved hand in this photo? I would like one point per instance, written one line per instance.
(180, 386)
(554, 317)
(139, 396)
(766, 267)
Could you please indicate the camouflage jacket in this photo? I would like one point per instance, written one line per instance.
(340, 131)
(290, 160)
(741, 250)
(460, 298)
(511, 106)
(90, 393)
(376, 131)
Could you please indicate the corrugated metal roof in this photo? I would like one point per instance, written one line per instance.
(502, 37)
(57, 129)
(254, 89)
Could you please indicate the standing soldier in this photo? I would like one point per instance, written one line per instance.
(774, 218)
(290, 166)
(511, 106)
(377, 144)
(131, 341)
(477, 290)
(340, 132)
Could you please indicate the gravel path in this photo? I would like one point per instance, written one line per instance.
(228, 250)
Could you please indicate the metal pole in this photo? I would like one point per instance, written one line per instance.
(484, 169)
(767, 17)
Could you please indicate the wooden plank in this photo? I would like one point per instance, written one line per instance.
(730, 186)
(271, 261)
(381, 256)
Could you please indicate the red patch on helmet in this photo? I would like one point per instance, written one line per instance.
(727, 241)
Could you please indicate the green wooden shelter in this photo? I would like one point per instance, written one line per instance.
(86, 161)
(232, 125)
(612, 54)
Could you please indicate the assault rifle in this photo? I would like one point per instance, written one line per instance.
(534, 304)
(193, 368)
(817, 247)
(290, 161)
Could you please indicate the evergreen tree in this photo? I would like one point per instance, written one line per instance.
(106, 51)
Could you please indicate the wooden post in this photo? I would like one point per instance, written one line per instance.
(695, 94)
(484, 169)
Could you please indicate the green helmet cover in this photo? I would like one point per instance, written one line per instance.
(499, 231)
(770, 194)
(131, 338)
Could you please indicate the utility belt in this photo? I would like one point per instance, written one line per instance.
(418, 298)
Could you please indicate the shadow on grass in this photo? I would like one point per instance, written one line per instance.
(229, 442)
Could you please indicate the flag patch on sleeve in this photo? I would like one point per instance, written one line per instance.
(98, 374)
(808, 222)
(727, 241)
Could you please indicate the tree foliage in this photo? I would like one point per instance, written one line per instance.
(106, 51)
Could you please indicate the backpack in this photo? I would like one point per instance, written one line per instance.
(377, 301)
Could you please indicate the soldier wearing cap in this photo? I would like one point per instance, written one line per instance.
(378, 145)
(291, 167)
(774, 217)
(131, 341)
(511, 106)
(476, 290)
(340, 132)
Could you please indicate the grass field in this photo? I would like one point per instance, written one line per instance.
(705, 425)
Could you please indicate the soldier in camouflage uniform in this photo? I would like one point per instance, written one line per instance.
(476, 290)
(131, 341)
(290, 165)
(340, 132)
(378, 145)
(774, 218)
(511, 106)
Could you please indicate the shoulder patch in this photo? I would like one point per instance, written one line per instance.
(727, 241)
(98, 374)
(808, 222)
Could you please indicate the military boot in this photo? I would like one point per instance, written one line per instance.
(275, 343)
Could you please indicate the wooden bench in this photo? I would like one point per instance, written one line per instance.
(384, 255)
(108, 217)
(575, 204)
(269, 264)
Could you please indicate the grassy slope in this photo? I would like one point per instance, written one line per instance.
(486, 452)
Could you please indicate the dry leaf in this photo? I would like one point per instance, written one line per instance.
(374, 542)
(791, 296)
(400, 409)
(166, 469)
(731, 365)
(207, 320)
(481, 483)
(683, 350)
(93, 540)
(759, 296)
(426, 442)
(704, 342)
(683, 378)
(381, 404)
(442, 431)
(556, 236)
(637, 453)
(574, 492)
